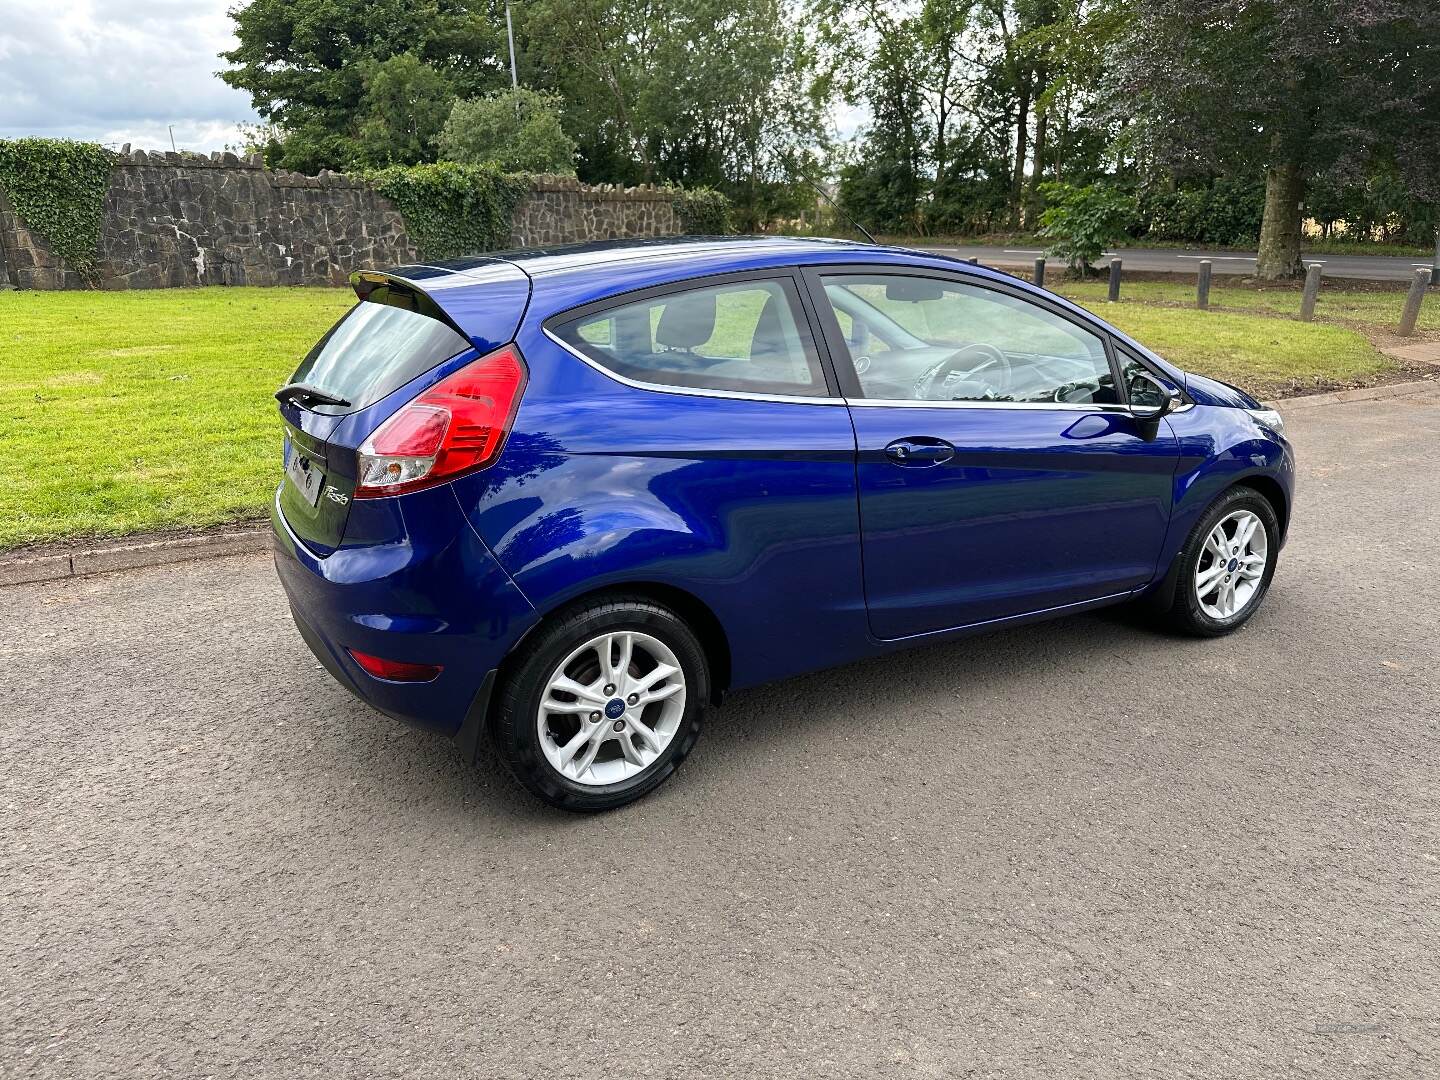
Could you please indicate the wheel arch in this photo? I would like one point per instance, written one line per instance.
(689, 607)
(1269, 489)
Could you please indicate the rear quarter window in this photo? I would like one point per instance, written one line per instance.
(379, 345)
(746, 336)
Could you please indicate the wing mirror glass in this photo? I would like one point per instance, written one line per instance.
(1152, 398)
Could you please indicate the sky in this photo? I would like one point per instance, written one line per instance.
(118, 71)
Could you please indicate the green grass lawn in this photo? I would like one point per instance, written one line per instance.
(126, 412)
(1379, 309)
(130, 411)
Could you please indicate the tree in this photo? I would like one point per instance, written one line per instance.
(305, 67)
(405, 105)
(516, 130)
(1294, 90)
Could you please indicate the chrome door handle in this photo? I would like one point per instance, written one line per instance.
(919, 450)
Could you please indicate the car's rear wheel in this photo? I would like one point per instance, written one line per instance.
(602, 705)
(1226, 565)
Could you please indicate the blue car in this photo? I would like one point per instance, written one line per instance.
(562, 500)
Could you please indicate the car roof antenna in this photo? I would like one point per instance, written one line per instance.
(826, 196)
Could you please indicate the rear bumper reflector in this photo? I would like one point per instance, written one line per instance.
(394, 670)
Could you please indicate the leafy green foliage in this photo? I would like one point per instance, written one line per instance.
(1224, 212)
(404, 107)
(306, 68)
(453, 209)
(1081, 222)
(515, 130)
(58, 189)
(702, 212)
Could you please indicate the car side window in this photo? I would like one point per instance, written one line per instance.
(943, 340)
(745, 336)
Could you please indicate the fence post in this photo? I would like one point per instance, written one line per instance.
(1202, 286)
(1435, 265)
(1114, 281)
(1040, 272)
(1311, 294)
(1412, 302)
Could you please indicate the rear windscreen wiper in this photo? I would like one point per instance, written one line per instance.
(297, 390)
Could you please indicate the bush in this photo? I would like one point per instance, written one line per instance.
(1223, 212)
(515, 130)
(453, 209)
(702, 212)
(58, 189)
(1082, 222)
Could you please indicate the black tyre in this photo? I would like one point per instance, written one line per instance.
(1226, 565)
(602, 704)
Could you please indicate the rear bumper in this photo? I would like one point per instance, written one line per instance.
(425, 589)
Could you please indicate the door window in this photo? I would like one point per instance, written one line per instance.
(747, 336)
(914, 338)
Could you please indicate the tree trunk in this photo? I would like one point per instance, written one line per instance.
(1022, 137)
(1280, 228)
(1032, 201)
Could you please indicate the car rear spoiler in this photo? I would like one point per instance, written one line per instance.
(483, 301)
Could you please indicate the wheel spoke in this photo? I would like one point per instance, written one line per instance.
(568, 751)
(627, 749)
(570, 686)
(615, 668)
(660, 674)
(1206, 580)
(661, 694)
(582, 766)
(1246, 530)
(646, 735)
(1215, 544)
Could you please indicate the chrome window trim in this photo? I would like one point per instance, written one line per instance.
(691, 391)
(1048, 406)
(795, 399)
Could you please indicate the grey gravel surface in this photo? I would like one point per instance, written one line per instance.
(1079, 849)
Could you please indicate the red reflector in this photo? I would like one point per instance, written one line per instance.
(455, 427)
(395, 670)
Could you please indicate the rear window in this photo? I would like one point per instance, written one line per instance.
(379, 346)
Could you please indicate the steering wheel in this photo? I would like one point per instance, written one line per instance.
(965, 360)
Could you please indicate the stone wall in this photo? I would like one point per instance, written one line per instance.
(561, 210)
(185, 219)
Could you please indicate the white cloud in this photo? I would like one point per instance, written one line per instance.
(117, 71)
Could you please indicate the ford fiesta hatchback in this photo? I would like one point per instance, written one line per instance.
(566, 499)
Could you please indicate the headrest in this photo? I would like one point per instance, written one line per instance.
(687, 321)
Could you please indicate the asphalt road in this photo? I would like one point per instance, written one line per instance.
(1074, 850)
(1187, 261)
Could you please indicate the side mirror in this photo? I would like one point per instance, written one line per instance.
(1158, 399)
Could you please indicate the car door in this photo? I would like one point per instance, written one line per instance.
(999, 470)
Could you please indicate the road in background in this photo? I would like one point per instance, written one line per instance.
(1070, 850)
(1185, 261)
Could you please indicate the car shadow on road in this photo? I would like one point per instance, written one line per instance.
(1051, 657)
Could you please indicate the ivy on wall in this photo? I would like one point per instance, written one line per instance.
(452, 209)
(58, 189)
(702, 212)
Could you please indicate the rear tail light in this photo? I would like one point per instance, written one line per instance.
(395, 670)
(455, 427)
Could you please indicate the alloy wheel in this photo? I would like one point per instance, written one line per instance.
(611, 708)
(1232, 564)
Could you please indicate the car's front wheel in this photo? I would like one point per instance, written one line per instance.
(1226, 564)
(602, 705)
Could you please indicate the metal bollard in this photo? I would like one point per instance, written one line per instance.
(1312, 292)
(1202, 285)
(1114, 281)
(1040, 272)
(974, 260)
(1412, 302)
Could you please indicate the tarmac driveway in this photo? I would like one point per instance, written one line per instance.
(1079, 849)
